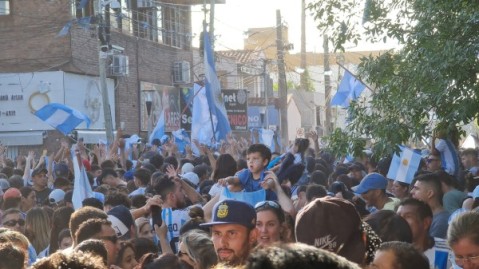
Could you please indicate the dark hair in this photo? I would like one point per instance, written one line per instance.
(303, 144)
(434, 182)
(107, 164)
(447, 179)
(95, 247)
(123, 247)
(296, 255)
(143, 246)
(138, 201)
(25, 191)
(164, 186)
(157, 160)
(263, 150)
(197, 217)
(16, 256)
(241, 164)
(16, 181)
(165, 261)
(406, 255)
(61, 182)
(389, 226)
(75, 259)
(144, 175)
(65, 233)
(423, 210)
(171, 160)
(202, 170)
(83, 214)
(319, 178)
(114, 198)
(61, 219)
(471, 152)
(89, 229)
(92, 202)
(314, 191)
(106, 172)
(225, 167)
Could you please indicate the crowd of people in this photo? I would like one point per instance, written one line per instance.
(238, 206)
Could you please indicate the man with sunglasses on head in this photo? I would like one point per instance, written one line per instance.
(13, 219)
(233, 231)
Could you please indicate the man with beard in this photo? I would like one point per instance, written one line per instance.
(233, 231)
(174, 213)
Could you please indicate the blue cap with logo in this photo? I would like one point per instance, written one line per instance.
(233, 212)
(373, 181)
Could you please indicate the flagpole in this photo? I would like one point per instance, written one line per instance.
(352, 74)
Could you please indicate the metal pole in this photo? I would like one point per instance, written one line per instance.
(266, 97)
(102, 60)
(327, 85)
(283, 91)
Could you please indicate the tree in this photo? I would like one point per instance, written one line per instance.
(434, 74)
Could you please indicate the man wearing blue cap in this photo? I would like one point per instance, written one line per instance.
(233, 231)
(373, 190)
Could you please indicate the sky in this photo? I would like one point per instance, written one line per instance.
(236, 16)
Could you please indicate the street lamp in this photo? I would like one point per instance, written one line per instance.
(148, 102)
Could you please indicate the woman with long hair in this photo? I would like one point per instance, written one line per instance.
(270, 222)
(197, 250)
(225, 167)
(61, 220)
(125, 258)
(37, 230)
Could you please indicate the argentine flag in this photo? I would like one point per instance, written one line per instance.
(266, 137)
(404, 166)
(81, 185)
(159, 130)
(213, 94)
(62, 117)
(349, 89)
(201, 125)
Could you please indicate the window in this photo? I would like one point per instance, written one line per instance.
(86, 11)
(4, 7)
(176, 30)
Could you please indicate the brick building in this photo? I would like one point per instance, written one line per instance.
(40, 38)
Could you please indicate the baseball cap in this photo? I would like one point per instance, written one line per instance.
(191, 177)
(12, 193)
(61, 170)
(332, 224)
(4, 184)
(232, 212)
(121, 220)
(56, 196)
(373, 181)
(39, 171)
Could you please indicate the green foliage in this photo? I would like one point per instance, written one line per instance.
(341, 144)
(432, 78)
(307, 79)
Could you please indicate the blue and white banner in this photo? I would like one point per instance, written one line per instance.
(159, 130)
(349, 89)
(182, 139)
(213, 93)
(404, 166)
(81, 185)
(62, 117)
(201, 125)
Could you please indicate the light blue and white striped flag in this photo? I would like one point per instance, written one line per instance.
(404, 166)
(182, 139)
(159, 130)
(349, 89)
(81, 185)
(213, 93)
(62, 117)
(201, 125)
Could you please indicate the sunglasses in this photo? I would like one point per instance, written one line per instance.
(12, 223)
(111, 238)
(266, 204)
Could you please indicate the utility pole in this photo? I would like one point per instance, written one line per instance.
(266, 97)
(303, 81)
(327, 85)
(102, 60)
(283, 90)
(212, 24)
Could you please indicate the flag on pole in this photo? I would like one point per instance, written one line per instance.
(62, 117)
(349, 89)
(266, 137)
(201, 125)
(213, 93)
(159, 130)
(81, 185)
(404, 166)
